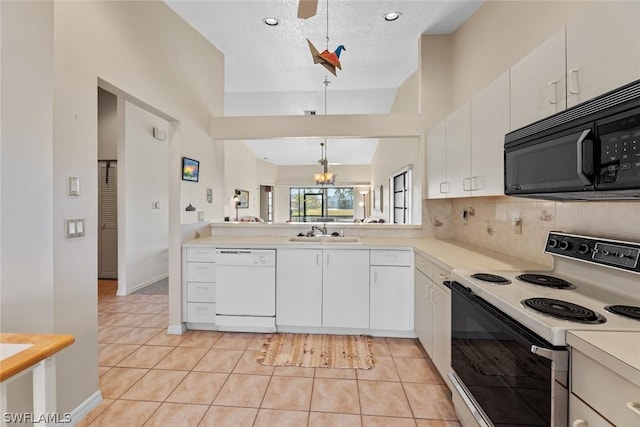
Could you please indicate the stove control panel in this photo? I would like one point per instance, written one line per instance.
(612, 253)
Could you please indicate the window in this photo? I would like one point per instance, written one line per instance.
(321, 204)
(400, 185)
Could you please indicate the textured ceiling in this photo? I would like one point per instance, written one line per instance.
(270, 71)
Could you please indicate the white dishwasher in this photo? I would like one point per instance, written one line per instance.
(246, 290)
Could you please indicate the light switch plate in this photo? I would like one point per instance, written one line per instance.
(74, 227)
(73, 186)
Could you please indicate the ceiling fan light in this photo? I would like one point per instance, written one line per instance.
(271, 21)
(392, 16)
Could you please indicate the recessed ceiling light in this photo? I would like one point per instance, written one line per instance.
(392, 16)
(272, 22)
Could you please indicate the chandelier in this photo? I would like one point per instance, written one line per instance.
(326, 177)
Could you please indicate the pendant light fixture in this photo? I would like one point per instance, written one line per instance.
(326, 177)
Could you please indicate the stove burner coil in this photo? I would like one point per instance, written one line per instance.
(493, 278)
(629, 311)
(564, 310)
(547, 281)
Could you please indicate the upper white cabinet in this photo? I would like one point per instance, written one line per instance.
(464, 152)
(603, 49)
(458, 159)
(437, 186)
(489, 124)
(538, 83)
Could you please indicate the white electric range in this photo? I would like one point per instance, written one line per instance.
(609, 277)
(509, 359)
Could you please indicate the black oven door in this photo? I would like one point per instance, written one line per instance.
(492, 359)
(562, 162)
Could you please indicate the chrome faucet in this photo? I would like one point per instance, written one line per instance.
(322, 229)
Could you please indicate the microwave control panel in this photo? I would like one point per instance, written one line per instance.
(612, 253)
(620, 154)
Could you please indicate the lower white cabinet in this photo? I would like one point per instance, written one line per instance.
(299, 287)
(581, 415)
(608, 394)
(433, 312)
(391, 298)
(345, 295)
(423, 318)
(199, 275)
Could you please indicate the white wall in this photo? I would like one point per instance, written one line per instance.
(145, 173)
(53, 56)
(26, 228)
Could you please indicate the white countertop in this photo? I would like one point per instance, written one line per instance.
(448, 254)
(618, 351)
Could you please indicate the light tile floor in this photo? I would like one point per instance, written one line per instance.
(201, 378)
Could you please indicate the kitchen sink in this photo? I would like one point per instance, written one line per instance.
(325, 239)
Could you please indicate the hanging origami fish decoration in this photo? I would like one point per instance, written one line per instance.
(329, 60)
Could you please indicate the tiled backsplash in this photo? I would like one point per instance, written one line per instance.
(489, 222)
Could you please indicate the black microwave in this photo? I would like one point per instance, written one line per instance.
(588, 152)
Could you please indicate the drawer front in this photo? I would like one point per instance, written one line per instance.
(424, 265)
(201, 292)
(399, 258)
(201, 312)
(581, 415)
(440, 274)
(201, 254)
(201, 272)
(588, 381)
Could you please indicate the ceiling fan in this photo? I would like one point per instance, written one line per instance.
(307, 8)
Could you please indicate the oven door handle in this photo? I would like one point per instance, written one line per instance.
(559, 358)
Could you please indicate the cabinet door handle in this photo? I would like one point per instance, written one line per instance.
(426, 292)
(446, 187)
(375, 276)
(579, 423)
(554, 91)
(431, 294)
(442, 276)
(634, 406)
(464, 184)
(317, 259)
(474, 180)
(574, 82)
(327, 259)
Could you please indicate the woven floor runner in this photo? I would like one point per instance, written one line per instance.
(318, 351)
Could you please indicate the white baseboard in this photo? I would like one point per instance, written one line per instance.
(177, 329)
(142, 285)
(83, 409)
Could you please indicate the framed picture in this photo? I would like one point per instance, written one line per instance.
(377, 199)
(190, 169)
(243, 199)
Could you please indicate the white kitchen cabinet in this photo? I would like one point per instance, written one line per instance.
(437, 185)
(199, 281)
(441, 354)
(458, 149)
(433, 312)
(391, 290)
(345, 296)
(581, 415)
(620, 403)
(423, 306)
(489, 124)
(299, 287)
(449, 156)
(538, 83)
(603, 49)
